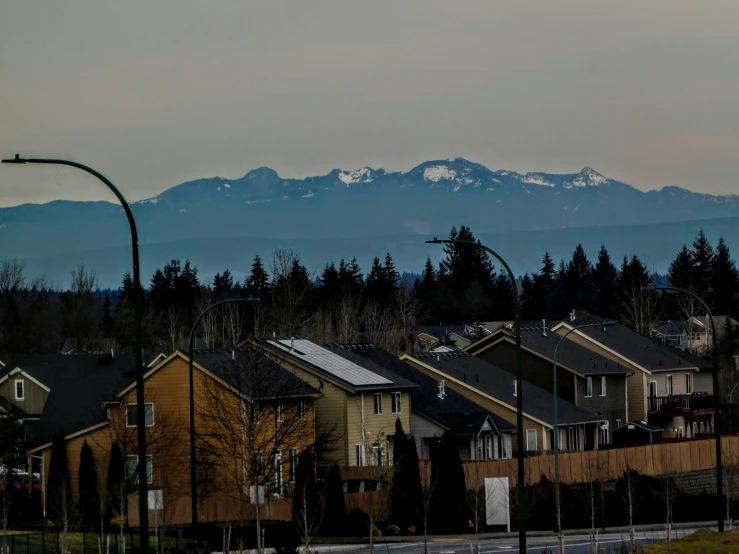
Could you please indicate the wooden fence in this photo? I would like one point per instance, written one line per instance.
(596, 465)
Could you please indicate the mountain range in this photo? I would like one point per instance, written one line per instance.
(219, 223)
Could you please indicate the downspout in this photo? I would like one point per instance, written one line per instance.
(364, 449)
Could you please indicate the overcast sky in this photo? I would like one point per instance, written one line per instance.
(156, 93)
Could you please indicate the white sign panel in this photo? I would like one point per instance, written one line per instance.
(253, 495)
(156, 500)
(497, 502)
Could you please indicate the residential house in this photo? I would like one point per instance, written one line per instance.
(495, 390)
(637, 433)
(429, 338)
(695, 334)
(584, 378)
(358, 407)
(253, 418)
(438, 412)
(666, 387)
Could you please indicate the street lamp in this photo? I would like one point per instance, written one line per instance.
(557, 503)
(137, 342)
(521, 482)
(193, 461)
(717, 399)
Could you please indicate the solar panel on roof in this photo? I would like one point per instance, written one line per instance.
(330, 362)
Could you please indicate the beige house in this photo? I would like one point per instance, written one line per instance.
(359, 406)
(666, 387)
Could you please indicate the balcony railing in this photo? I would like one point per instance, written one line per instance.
(680, 404)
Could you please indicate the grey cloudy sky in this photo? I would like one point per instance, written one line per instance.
(155, 93)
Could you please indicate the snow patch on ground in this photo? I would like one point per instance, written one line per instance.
(148, 201)
(227, 185)
(357, 176)
(438, 173)
(536, 179)
(309, 195)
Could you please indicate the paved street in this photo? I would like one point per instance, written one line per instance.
(611, 542)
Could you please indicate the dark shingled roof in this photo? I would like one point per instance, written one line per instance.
(643, 424)
(251, 372)
(498, 383)
(570, 354)
(456, 412)
(649, 353)
(79, 386)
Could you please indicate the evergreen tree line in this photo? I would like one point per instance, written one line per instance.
(344, 304)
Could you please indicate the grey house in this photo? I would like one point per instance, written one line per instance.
(438, 412)
(584, 378)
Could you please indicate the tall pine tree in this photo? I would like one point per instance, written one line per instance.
(605, 280)
(725, 282)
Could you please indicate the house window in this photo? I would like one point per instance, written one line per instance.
(531, 440)
(515, 388)
(132, 466)
(20, 392)
(360, 455)
(689, 383)
(301, 410)
(488, 447)
(396, 402)
(603, 385)
(280, 413)
(293, 463)
(378, 403)
(258, 463)
(680, 432)
(604, 433)
(588, 386)
(669, 385)
(255, 413)
(736, 363)
(377, 454)
(618, 423)
(131, 418)
(277, 466)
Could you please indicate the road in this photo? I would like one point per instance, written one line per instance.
(608, 543)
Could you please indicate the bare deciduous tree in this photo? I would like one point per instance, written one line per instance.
(254, 413)
(640, 308)
(630, 497)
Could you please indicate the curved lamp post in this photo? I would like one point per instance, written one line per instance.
(193, 460)
(521, 482)
(557, 502)
(717, 399)
(137, 342)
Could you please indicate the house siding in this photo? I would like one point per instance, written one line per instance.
(34, 396)
(535, 369)
(376, 427)
(423, 429)
(610, 407)
(703, 382)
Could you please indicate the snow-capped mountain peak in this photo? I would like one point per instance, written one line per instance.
(588, 177)
(364, 175)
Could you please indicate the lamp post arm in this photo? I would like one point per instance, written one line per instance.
(193, 458)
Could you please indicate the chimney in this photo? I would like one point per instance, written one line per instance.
(292, 344)
(112, 354)
(274, 334)
(544, 324)
(438, 358)
(233, 354)
(572, 316)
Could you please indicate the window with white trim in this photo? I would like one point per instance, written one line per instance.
(396, 402)
(360, 455)
(378, 403)
(277, 466)
(301, 410)
(603, 385)
(604, 437)
(531, 440)
(280, 413)
(294, 463)
(689, 383)
(132, 469)
(515, 388)
(588, 387)
(618, 423)
(255, 413)
(668, 380)
(131, 418)
(378, 457)
(258, 463)
(20, 389)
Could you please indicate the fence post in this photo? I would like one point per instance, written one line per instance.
(43, 542)
(12, 544)
(57, 543)
(84, 542)
(28, 544)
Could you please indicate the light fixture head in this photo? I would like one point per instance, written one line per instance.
(16, 160)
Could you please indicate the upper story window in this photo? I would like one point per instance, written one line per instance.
(301, 410)
(602, 385)
(20, 389)
(378, 403)
(280, 413)
(396, 402)
(588, 386)
(515, 388)
(131, 419)
(132, 469)
(668, 388)
(689, 383)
